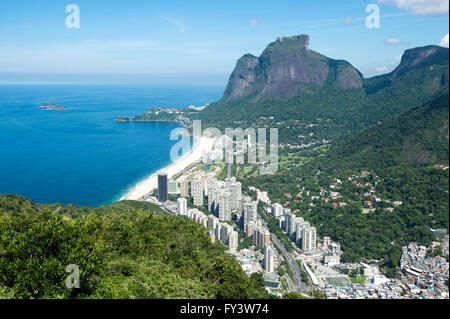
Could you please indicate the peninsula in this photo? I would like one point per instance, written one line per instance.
(164, 114)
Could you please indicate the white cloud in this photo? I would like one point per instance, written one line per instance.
(444, 41)
(397, 60)
(382, 69)
(254, 22)
(393, 41)
(179, 24)
(420, 7)
(390, 66)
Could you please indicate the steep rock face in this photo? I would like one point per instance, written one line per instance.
(445, 78)
(285, 64)
(425, 67)
(242, 79)
(349, 77)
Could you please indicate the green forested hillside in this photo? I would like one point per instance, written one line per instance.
(417, 137)
(126, 250)
(400, 156)
(414, 82)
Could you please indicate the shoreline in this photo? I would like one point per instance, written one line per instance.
(123, 120)
(147, 185)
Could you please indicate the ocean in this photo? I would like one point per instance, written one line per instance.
(81, 155)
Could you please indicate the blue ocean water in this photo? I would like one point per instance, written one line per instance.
(81, 155)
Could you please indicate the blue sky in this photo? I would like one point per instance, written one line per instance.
(198, 42)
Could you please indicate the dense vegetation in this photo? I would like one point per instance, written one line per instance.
(134, 250)
(347, 111)
(125, 250)
(417, 137)
(402, 153)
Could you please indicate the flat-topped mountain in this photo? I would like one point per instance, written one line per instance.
(422, 57)
(291, 81)
(423, 68)
(282, 66)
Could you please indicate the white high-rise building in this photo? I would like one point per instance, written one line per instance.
(288, 215)
(172, 187)
(212, 223)
(277, 210)
(212, 198)
(184, 188)
(262, 196)
(250, 229)
(295, 221)
(268, 259)
(309, 239)
(301, 224)
(217, 231)
(197, 192)
(224, 206)
(210, 184)
(229, 181)
(292, 227)
(261, 237)
(236, 195)
(225, 231)
(182, 206)
(233, 240)
(250, 211)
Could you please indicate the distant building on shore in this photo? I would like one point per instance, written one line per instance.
(162, 188)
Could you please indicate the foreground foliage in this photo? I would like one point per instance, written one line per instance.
(122, 252)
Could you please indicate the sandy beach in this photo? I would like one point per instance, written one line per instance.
(205, 144)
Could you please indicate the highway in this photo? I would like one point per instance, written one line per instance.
(299, 284)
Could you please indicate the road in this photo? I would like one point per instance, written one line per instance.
(299, 284)
(289, 283)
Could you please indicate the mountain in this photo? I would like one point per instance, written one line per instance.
(124, 250)
(282, 66)
(420, 136)
(422, 57)
(424, 67)
(404, 161)
(291, 81)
